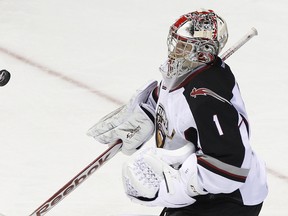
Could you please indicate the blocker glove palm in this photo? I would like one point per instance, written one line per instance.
(132, 123)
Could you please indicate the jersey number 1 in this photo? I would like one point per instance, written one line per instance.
(216, 121)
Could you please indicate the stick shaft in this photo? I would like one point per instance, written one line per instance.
(253, 32)
(77, 180)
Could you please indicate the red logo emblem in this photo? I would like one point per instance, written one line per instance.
(204, 92)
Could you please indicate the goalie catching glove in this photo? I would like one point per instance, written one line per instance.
(149, 178)
(133, 123)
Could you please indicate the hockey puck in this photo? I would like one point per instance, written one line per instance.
(4, 77)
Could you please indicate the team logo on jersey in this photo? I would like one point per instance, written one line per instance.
(204, 91)
(162, 131)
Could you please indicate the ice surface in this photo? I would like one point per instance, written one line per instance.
(74, 61)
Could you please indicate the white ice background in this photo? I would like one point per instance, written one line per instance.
(74, 61)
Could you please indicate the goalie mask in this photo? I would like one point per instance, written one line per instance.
(193, 40)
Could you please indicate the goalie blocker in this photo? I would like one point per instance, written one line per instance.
(133, 123)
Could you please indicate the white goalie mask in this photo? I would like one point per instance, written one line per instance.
(193, 40)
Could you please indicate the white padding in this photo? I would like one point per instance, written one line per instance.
(189, 176)
(150, 181)
(128, 123)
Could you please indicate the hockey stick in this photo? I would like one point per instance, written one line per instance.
(78, 179)
(113, 150)
(253, 32)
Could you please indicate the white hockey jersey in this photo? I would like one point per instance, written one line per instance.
(207, 110)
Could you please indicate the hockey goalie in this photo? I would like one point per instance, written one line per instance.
(202, 163)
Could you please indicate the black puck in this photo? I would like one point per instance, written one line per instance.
(4, 77)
